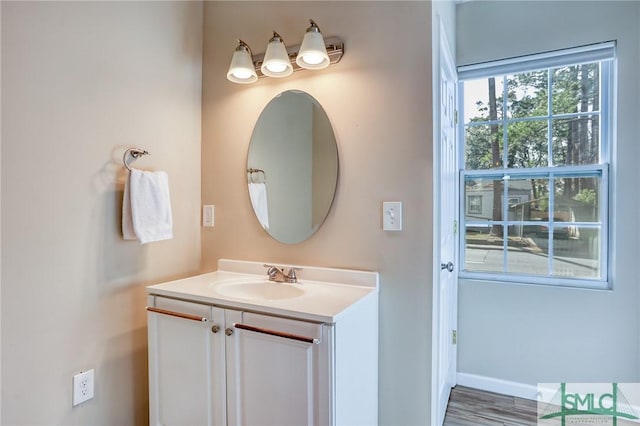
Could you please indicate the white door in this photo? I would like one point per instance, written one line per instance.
(274, 377)
(186, 363)
(445, 278)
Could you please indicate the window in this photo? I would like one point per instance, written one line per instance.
(536, 134)
(474, 204)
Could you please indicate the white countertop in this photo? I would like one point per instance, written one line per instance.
(327, 292)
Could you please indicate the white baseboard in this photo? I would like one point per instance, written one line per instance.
(491, 384)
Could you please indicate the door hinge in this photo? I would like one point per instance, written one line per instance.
(455, 227)
(454, 337)
(455, 116)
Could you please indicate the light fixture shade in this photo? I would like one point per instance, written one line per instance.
(313, 52)
(242, 69)
(276, 59)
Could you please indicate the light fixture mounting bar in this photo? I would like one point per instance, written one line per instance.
(335, 50)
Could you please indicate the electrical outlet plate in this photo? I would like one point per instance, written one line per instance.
(82, 387)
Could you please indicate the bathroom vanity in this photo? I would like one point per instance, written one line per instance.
(233, 348)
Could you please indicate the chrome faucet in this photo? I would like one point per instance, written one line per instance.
(276, 274)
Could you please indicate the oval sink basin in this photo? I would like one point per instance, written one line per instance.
(265, 290)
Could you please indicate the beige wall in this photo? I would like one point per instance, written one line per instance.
(379, 101)
(81, 81)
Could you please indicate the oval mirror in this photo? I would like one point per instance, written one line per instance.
(292, 167)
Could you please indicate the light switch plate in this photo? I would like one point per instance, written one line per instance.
(207, 216)
(392, 216)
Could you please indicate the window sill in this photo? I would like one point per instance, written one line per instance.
(510, 280)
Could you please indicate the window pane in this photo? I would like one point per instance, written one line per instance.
(483, 252)
(527, 143)
(577, 256)
(527, 198)
(483, 147)
(479, 196)
(527, 259)
(528, 202)
(576, 140)
(577, 199)
(527, 94)
(519, 200)
(539, 209)
(476, 99)
(576, 89)
(523, 256)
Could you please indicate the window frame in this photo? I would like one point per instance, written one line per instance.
(605, 53)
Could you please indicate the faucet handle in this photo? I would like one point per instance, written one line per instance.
(291, 275)
(271, 267)
(273, 271)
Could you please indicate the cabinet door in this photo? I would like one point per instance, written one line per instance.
(186, 363)
(274, 376)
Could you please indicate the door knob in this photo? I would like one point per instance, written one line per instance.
(447, 266)
(215, 328)
(228, 332)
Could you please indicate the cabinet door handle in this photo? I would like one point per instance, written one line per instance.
(177, 314)
(215, 328)
(277, 333)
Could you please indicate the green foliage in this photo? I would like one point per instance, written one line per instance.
(543, 204)
(478, 154)
(527, 94)
(587, 196)
(574, 138)
(527, 144)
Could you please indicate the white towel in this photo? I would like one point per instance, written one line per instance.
(127, 221)
(146, 207)
(258, 195)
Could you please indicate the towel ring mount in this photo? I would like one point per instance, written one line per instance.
(251, 171)
(135, 153)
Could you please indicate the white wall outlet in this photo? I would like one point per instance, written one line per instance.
(82, 387)
(207, 216)
(392, 216)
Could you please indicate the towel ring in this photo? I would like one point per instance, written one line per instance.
(135, 153)
(251, 171)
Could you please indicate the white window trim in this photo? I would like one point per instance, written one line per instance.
(604, 52)
(572, 56)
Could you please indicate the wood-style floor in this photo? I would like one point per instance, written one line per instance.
(473, 407)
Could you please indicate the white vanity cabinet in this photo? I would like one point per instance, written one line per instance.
(278, 371)
(215, 366)
(308, 359)
(186, 363)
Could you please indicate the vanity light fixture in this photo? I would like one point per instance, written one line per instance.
(276, 59)
(242, 69)
(315, 53)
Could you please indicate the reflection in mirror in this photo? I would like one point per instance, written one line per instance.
(292, 167)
